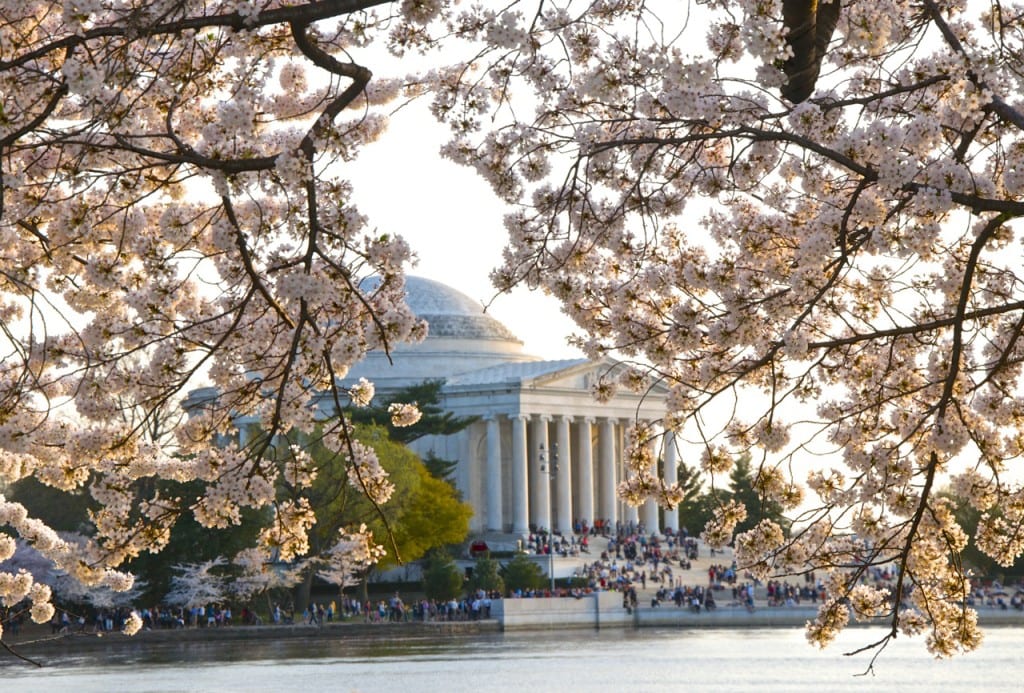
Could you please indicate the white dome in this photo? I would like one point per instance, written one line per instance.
(452, 314)
(460, 338)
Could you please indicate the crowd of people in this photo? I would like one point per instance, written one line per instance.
(628, 561)
(633, 560)
(393, 610)
(997, 596)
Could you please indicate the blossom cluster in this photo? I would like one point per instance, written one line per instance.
(347, 560)
(832, 280)
(288, 536)
(172, 206)
(64, 555)
(404, 414)
(827, 286)
(366, 474)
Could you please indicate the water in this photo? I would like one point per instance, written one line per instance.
(609, 661)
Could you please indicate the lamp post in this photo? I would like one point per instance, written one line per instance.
(550, 472)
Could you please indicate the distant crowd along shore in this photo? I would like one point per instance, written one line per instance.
(631, 560)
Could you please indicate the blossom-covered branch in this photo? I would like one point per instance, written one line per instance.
(846, 267)
(173, 219)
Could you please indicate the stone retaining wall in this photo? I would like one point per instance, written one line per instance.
(605, 610)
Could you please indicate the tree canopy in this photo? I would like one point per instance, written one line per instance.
(425, 512)
(844, 262)
(832, 286)
(486, 575)
(521, 573)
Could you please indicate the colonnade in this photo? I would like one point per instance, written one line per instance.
(561, 472)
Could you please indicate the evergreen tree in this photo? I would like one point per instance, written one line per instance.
(442, 579)
(522, 574)
(743, 479)
(441, 468)
(486, 575)
(434, 419)
(694, 510)
(698, 507)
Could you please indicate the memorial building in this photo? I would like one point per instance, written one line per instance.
(544, 453)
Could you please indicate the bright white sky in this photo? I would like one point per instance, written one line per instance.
(453, 222)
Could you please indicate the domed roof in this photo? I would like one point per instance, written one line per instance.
(460, 338)
(452, 314)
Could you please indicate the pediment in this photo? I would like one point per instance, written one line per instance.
(582, 375)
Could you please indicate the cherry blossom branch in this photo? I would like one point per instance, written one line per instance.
(306, 13)
(998, 105)
(10, 650)
(956, 352)
(254, 276)
(48, 109)
(190, 156)
(976, 203)
(359, 75)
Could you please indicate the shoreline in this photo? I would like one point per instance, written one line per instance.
(37, 640)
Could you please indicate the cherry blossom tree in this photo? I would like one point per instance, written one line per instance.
(846, 267)
(62, 587)
(198, 584)
(173, 215)
(832, 286)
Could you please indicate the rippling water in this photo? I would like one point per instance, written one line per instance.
(627, 661)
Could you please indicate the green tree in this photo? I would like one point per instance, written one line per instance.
(433, 516)
(701, 511)
(486, 575)
(423, 512)
(522, 574)
(743, 480)
(698, 507)
(694, 509)
(434, 419)
(442, 579)
(441, 468)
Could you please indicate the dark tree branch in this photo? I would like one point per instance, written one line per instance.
(303, 14)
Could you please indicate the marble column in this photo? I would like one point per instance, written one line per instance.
(540, 480)
(466, 474)
(520, 486)
(246, 427)
(671, 473)
(564, 476)
(630, 514)
(606, 458)
(493, 481)
(585, 471)
(650, 512)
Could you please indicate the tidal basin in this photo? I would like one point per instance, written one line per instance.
(613, 661)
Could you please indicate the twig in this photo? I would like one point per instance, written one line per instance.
(20, 656)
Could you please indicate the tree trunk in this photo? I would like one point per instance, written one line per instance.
(364, 589)
(301, 594)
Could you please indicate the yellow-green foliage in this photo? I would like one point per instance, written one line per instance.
(424, 512)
